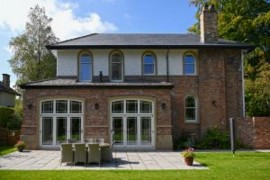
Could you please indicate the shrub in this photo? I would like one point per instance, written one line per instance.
(215, 139)
(183, 142)
(11, 118)
(6, 114)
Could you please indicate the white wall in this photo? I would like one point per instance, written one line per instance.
(67, 61)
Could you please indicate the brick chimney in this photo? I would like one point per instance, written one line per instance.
(208, 24)
(6, 80)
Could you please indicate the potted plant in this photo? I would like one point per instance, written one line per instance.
(189, 156)
(20, 145)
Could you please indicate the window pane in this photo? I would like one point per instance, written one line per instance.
(61, 106)
(116, 71)
(190, 114)
(146, 107)
(189, 64)
(117, 66)
(75, 107)
(75, 129)
(132, 130)
(149, 69)
(47, 130)
(85, 67)
(132, 106)
(61, 130)
(146, 130)
(190, 102)
(118, 130)
(118, 107)
(47, 107)
(149, 59)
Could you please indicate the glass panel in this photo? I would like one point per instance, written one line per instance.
(75, 129)
(146, 130)
(61, 106)
(149, 64)
(116, 71)
(118, 130)
(132, 106)
(61, 130)
(190, 102)
(146, 107)
(131, 130)
(75, 107)
(189, 64)
(47, 107)
(85, 67)
(190, 114)
(117, 57)
(118, 107)
(47, 130)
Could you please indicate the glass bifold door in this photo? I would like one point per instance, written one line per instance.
(56, 130)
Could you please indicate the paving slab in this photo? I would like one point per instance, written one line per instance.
(137, 160)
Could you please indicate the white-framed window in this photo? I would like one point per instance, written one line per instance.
(189, 64)
(116, 66)
(149, 64)
(191, 109)
(85, 67)
(60, 120)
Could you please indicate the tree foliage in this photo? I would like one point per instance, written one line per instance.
(247, 21)
(31, 60)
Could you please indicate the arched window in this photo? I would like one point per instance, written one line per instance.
(149, 64)
(117, 66)
(191, 109)
(189, 65)
(85, 67)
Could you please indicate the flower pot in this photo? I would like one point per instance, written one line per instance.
(189, 161)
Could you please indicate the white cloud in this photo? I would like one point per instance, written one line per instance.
(65, 24)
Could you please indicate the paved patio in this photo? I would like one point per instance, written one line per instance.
(49, 160)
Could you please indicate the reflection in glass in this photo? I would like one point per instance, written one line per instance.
(47, 131)
(47, 107)
(117, 107)
(75, 129)
(132, 130)
(132, 106)
(75, 107)
(146, 130)
(61, 106)
(61, 130)
(118, 130)
(145, 107)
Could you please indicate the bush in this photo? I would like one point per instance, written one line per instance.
(11, 118)
(215, 139)
(183, 142)
(6, 114)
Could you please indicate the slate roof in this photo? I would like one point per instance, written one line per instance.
(72, 82)
(143, 41)
(7, 90)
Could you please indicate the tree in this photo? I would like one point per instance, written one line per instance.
(247, 21)
(31, 60)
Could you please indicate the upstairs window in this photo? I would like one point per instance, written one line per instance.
(117, 67)
(149, 64)
(189, 65)
(190, 109)
(85, 67)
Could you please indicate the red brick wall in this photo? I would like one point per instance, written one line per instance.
(254, 132)
(96, 121)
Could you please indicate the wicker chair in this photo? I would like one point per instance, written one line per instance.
(94, 154)
(79, 153)
(66, 153)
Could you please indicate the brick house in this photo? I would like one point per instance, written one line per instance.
(141, 91)
(7, 94)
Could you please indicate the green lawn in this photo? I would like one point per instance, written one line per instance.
(6, 150)
(245, 165)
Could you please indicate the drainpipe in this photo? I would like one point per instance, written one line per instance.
(167, 64)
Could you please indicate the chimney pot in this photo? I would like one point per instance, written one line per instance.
(6, 80)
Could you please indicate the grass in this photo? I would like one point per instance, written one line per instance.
(222, 165)
(6, 150)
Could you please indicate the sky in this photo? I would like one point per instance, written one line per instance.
(73, 18)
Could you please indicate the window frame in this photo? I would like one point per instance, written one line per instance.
(196, 120)
(194, 64)
(111, 66)
(91, 64)
(154, 63)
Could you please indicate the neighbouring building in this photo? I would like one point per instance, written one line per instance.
(140, 91)
(7, 94)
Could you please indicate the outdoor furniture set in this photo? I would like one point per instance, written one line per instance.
(89, 152)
